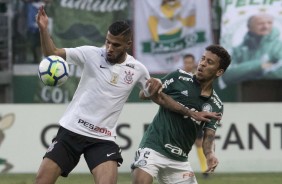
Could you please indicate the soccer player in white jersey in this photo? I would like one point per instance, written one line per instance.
(89, 123)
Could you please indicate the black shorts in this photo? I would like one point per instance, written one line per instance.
(67, 147)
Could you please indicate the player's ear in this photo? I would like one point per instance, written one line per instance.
(219, 72)
(129, 43)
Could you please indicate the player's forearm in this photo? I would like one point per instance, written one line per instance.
(209, 142)
(47, 45)
(169, 103)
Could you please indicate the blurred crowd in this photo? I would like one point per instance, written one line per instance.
(26, 39)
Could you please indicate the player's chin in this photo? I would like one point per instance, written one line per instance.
(111, 60)
(200, 76)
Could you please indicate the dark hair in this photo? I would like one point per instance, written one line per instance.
(121, 28)
(189, 56)
(225, 58)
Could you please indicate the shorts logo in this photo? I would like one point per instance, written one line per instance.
(109, 154)
(51, 147)
(142, 163)
(188, 174)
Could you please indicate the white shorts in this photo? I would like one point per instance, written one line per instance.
(166, 170)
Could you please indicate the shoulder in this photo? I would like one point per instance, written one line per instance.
(171, 78)
(217, 101)
(135, 64)
(86, 49)
(91, 49)
(180, 74)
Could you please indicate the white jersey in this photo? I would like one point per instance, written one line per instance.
(101, 93)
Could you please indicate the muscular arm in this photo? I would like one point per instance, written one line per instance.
(167, 102)
(209, 149)
(47, 45)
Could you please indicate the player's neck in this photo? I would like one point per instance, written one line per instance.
(122, 59)
(207, 88)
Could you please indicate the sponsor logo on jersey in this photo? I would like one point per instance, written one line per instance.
(94, 128)
(176, 150)
(128, 77)
(185, 92)
(217, 102)
(167, 82)
(186, 78)
(130, 65)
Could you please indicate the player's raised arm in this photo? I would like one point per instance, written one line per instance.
(47, 45)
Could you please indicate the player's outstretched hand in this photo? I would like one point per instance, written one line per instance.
(212, 162)
(205, 116)
(42, 19)
(154, 86)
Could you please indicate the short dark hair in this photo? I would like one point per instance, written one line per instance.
(121, 28)
(189, 56)
(225, 58)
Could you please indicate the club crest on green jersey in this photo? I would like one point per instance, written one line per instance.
(206, 107)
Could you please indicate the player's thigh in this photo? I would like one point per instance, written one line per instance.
(146, 165)
(140, 176)
(65, 150)
(177, 173)
(105, 172)
(100, 151)
(48, 172)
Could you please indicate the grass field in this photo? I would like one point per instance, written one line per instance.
(217, 178)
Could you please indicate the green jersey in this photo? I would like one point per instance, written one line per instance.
(173, 134)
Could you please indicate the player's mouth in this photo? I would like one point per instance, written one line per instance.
(109, 55)
(200, 70)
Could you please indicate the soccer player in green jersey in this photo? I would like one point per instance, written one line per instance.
(189, 65)
(164, 148)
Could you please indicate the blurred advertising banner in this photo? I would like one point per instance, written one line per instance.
(166, 30)
(251, 31)
(249, 139)
(78, 23)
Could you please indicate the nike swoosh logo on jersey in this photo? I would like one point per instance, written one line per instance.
(103, 66)
(110, 154)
